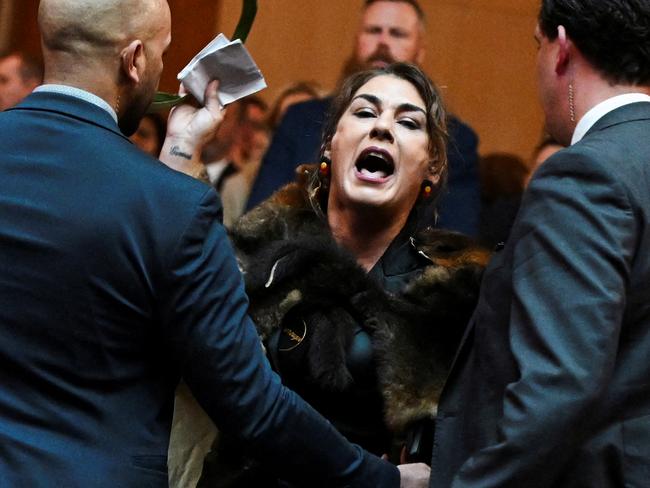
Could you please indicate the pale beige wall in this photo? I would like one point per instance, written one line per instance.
(481, 51)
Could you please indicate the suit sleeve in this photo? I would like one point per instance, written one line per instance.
(211, 336)
(460, 205)
(573, 245)
(279, 163)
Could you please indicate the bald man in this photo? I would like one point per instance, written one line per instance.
(117, 279)
(19, 75)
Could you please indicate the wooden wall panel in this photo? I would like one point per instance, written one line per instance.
(6, 21)
(488, 67)
(480, 51)
(193, 25)
(23, 29)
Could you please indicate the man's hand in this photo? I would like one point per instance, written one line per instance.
(415, 475)
(188, 129)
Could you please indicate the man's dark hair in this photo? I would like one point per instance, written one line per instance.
(31, 68)
(412, 3)
(613, 35)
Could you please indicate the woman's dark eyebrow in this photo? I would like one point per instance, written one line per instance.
(404, 107)
(409, 107)
(371, 98)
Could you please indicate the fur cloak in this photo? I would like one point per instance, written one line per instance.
(303, 286)
(291, 263)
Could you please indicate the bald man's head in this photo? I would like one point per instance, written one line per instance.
(112, 48)
(95, 25)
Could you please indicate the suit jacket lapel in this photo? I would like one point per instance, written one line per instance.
(626, 113)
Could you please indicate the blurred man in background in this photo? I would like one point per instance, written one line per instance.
(19, 75)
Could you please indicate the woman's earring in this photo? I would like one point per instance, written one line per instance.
(324, 173)
(324, 168)
(426, 190)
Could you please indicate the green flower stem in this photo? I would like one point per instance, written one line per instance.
(165, 101)
(246, 19)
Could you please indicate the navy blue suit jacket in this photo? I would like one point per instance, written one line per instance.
(297, 141)
(551, 386)
(116, 279)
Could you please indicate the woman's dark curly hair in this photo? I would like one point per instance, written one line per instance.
(436, 116)
(614, 35)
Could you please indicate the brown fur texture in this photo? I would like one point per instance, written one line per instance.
(295, 273)
(291, 263)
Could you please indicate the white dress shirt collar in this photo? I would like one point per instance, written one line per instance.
(603, 108)
(78, 93)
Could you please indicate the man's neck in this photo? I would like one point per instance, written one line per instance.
(594, 89)
(588, 120)
(79, 72)
(592, 101)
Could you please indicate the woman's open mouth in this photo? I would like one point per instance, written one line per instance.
(374, 165)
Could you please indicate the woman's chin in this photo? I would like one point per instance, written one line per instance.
(368, 198)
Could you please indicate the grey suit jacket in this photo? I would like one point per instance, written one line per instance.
(551, 385)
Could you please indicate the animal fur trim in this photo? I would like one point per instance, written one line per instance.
(290, 261)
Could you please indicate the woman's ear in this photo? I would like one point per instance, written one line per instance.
(327, 150)
(433, 173)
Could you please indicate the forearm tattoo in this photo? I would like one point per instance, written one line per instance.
(176, 151)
